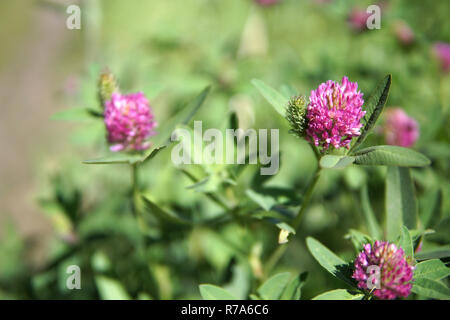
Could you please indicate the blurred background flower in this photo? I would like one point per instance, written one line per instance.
(400, 129)
(442, 51)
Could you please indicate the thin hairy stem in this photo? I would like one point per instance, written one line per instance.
(281, 249)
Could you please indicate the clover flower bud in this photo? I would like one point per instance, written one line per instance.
(296, 115)
(107, 85)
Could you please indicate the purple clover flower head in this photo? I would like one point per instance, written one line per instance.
(129, 122)
(400, 129)
(334, 114)
(395, 274)
(442, 51)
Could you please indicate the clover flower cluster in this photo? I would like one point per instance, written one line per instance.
(334, 114)
(395, 272)
(128, 118)
(129, 122)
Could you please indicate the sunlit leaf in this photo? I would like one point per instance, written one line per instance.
(336, 161)
(331, 262)
(111, 289)
(431, 288)
(338, 294)
(274, 286)
(276, 99)
(406, 242)
(400, 202)
(433, 269)
(374, 106)
(358, 239)
(211, 292)
(390, 156)
(294, 287)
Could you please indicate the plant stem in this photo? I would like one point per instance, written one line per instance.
(306, 199)
(281, 249)
(136, 203)
(134, 188)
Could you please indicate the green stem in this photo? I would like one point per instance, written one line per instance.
(306, 199)
(135, 188)
(281, 249)
(136, 203)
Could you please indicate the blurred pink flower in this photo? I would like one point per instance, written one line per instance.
(334, 114)
(400, 129)
(358, 19)
(129, 122)
(442, 51)
(267, 2)
(404, 33)
(395, 274)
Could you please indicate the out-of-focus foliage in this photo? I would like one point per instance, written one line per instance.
(219, 224)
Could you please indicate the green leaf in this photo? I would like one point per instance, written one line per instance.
(162, 214)
(373, 107)
(431, 212)
(400, 202)
(390, 156)
(338, 294)
(369, 215)
(331, 262)
(116, 159)
(358, 239)
(110, 289)
(153, 153)
(433, 269)
(264, 201)
(439, 253)
(181, 118)
(406, 242)
(76, 114)
(273, 288)
(336, 162)
(442, 232)
(276, 99)
(211, 292)
(293, 289)
(431, 288)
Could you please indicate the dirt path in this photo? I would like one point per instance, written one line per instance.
(29, 81)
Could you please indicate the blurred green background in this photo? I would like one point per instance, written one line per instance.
(170, 50)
